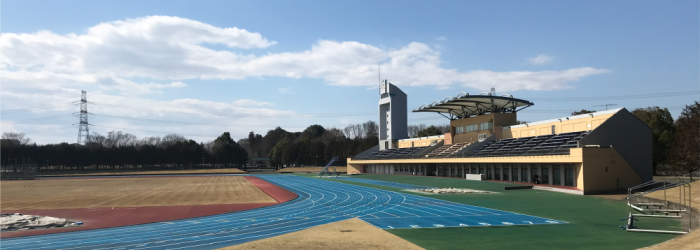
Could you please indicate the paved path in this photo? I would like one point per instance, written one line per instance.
(319, 202)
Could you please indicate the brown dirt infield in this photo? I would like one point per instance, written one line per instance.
(95, 218)
(155, 172)
(311, 170)
(685, 242)
(129, 192)
(330, 236)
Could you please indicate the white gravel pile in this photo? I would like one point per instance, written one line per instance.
(17, 221)
(450, 190)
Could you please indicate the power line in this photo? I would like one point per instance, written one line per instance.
(50, 129)
(620, 97)
(154, 131)
(243, 115)
(176, 122)
(38, 119)
(34, 108)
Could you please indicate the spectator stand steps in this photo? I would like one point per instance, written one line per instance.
(325, 169)
(670, 206)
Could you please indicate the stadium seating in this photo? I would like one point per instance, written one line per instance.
(447, 150)
(557, 144)
(534, 145)
(395, 153)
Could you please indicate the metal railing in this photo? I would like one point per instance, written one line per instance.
(640, 205)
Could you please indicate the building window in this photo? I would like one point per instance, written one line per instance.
(556, 175)
(545, 175)
(471, 128)
(485, 125)
(569, 176)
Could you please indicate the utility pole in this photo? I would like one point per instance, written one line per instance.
(83, 127)
(606, 105)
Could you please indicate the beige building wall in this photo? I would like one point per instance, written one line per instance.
(354, 168)
(498, 119)
(605, 170)
(590, 166)
(420, 142)
(560, 126)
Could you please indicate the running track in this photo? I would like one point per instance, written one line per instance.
(319, 202)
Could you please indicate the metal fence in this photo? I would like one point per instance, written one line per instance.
(19, 169)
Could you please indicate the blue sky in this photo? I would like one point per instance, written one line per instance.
(296, 63)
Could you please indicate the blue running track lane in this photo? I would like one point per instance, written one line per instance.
(384, 183)
(319, 202)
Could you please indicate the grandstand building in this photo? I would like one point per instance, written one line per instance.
(590, 153)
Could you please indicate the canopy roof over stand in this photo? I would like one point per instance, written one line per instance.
(465, 105)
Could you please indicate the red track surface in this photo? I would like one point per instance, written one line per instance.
(94, 218)
(280, 194)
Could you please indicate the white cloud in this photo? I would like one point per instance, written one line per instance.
(541, 59)
(160, 47)
(248, 102)
(441, 38)
(122, 62)
(285, 90)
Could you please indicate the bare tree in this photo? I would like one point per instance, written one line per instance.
(171, 139)
(349, 132)
(151, 141)
(97, 138)
(18, 138)
(120, 139)
(370, 128)
(414, 129)
(445, 128)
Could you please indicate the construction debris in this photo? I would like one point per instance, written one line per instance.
(17, 221)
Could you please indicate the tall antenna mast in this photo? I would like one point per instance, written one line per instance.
(83, 127)
(379, 73)
(606, 105)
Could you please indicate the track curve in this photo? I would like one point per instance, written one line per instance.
(319, 202)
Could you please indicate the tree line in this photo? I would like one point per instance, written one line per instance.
(675, 144)
(119, 150)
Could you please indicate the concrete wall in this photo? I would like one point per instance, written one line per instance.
(393, 117)
(399, 113)
(630, 137)
(580, 123)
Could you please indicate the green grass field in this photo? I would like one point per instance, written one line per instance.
(593, 221)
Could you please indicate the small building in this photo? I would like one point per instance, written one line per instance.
(589, 153)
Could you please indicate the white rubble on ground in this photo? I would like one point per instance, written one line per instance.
(450, 190)
(17, 221)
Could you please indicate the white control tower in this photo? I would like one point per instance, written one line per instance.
(393, 115)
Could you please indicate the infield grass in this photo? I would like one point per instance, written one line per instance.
(593, 222)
